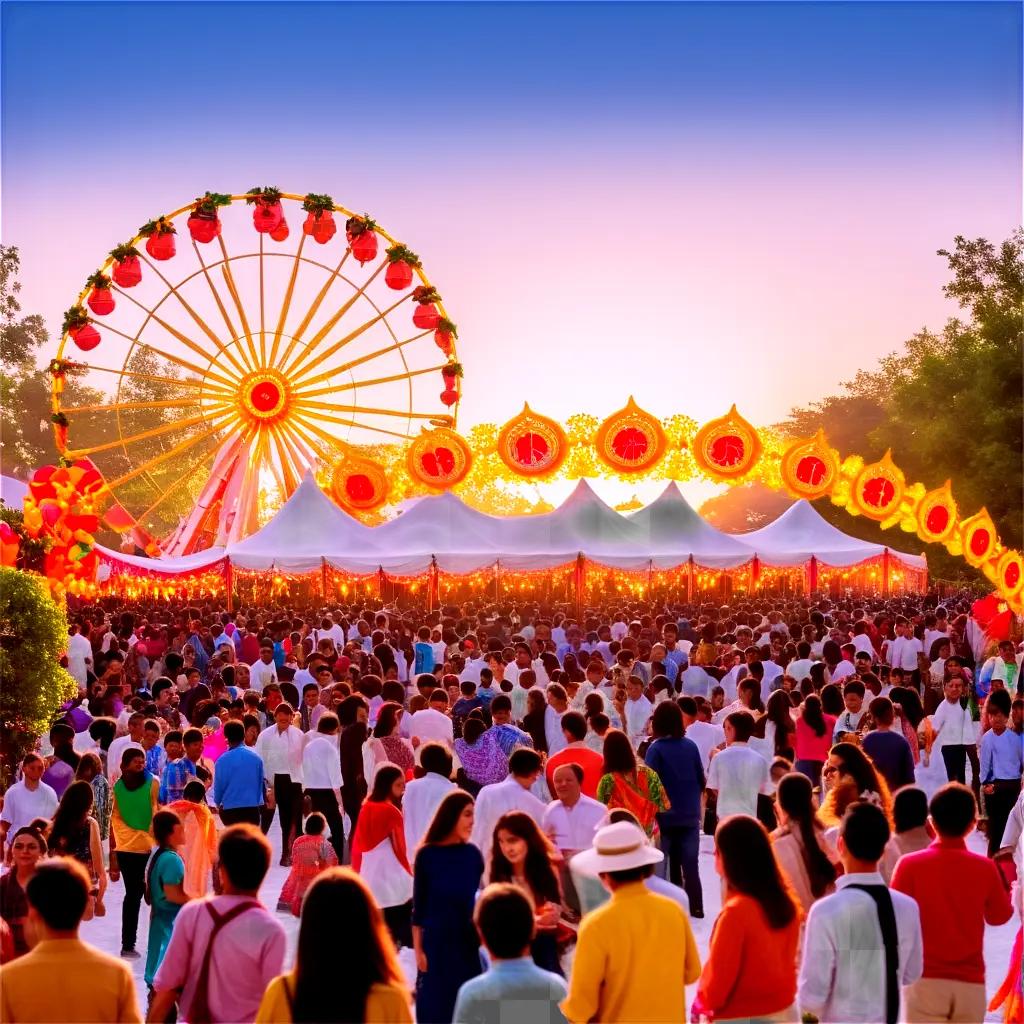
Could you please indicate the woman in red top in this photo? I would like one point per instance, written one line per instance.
(751, 967)
(379, 854)
(813, 738)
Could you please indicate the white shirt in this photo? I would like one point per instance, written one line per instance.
(618, 630)
(553, 730)
(471, 671)
(638, 714)
(953, 724)
(739, 774)
(281, 751)
(260, 673)
(771, 673)
(23, 805)
(706, 736)
(903, 652)
(930, 636)
(79, 655)
(848, 721)
(843, 670)
(419, 804)
(573, 828)
(117, 748)
(862, 643)
(800, 669)
(431, 724)
(321, 764)
(335, 633)
(495, 800)
(842, 973)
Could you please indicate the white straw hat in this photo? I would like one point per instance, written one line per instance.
(617, 847)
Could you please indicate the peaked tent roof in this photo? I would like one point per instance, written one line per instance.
(672, 531)
(802, 532)
(307, 528)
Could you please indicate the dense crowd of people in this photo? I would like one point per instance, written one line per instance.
(516, 796)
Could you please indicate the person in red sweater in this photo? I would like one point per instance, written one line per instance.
(958, 893)
(574, 729)
(751, 967)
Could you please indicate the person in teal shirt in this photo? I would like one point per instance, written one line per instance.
(165, 892)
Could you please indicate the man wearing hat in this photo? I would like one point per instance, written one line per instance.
(635, 927)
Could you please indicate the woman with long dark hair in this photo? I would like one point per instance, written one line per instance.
(850, 775)
(28, 848)
(625, 783)
(818, 676)
(909, 714)
(807, 859)
(387, 743)
(776, 727)
(379, 854)
(533, 720)
(446, 877)
(521, 854)
(75, 833)
(813, 738)
(355, 976)
(759, 917)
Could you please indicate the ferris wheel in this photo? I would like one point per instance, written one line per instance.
(234, 344)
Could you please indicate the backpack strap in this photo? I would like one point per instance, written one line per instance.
(890, 938)
(199, 1011)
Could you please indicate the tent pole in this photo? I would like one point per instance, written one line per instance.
(380, 582)
(755, 573)
(580, 575)
(433, 586)
(229, 583)
(323, 577)
(812, 575)
(689, 580)
(497, 581)
(885, 572)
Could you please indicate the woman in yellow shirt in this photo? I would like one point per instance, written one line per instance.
(354, 976)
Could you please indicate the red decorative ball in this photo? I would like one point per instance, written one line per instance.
(127, 273)
(937, 519)
(980, 542)
(101, 301)
(811, 470)
(203, 229)
(727, 450)
(530, 449)
(364, 246)
(359, 487)
(879, 492)
(85, 337)
(161, 246)
(438, 463)
(426, 317)
(398, 275)
(630, 444)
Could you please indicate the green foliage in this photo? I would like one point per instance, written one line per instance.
(123, 251)
(208, 202)
(447, 327)
(317, 204)
(98, 280)
(32, 550)
(263, 194)
(950, 405)
(403, 254)
(160, 226)
(33, 637)
(745, 507)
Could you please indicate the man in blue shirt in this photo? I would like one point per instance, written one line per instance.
(239, 786)
(513, 990)
(1002, 762)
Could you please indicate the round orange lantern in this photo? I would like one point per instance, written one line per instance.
(809, 468)
(532, 445)
(727, 448)
(438, 458)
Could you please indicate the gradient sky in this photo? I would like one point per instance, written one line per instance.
(697, 204)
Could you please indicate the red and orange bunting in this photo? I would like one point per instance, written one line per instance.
(978, 535)
(937, 515)
(726, 448)
(359, 484)
(879, 488)
(438, 458)
(532, 445)
(630, 440)
(809, 468)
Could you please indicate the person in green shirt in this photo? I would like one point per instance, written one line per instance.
(165, 891)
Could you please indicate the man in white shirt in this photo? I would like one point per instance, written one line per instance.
(263, 670)
(432, 723)
(281, 746)
(800, 669)
(474, 663)
(557, 705)
(954, 731)
(422, 796)
(863, 943)
(571, 820)
(903, 651)
(79, 656)
(704, 734)
(332, 631)
(738, 773)
(637, 711)
(321, 777)
(25, 801)
(512, 794)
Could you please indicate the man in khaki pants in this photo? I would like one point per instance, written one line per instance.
(958, 893)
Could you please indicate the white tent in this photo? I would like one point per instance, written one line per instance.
(113, 563)
(307, 530)
(672, 532)
(12, 491)
(801, 533)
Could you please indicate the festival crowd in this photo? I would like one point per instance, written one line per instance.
(515, 799)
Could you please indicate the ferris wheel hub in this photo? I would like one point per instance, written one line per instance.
(264, 396)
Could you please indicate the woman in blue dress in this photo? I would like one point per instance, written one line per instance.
(446, 877)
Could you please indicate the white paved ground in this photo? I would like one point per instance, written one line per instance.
(106, 932)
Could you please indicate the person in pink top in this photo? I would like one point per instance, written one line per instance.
(224, 951)
(813, 738)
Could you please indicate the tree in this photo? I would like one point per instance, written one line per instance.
(950, 404)
(33, 637)
(744, 508)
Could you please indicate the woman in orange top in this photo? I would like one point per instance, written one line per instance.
(751, 966)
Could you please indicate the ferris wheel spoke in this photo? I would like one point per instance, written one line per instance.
(171, 453)
(324, 418)
(175, 333)
(302, 455)
(314, 445)
(399, 413)
(229, 281)
(222, 349)
(282, 465)
(345, 367)
(263, 308)
(350, 385)
(189, 474)
(169, 403)
(185, 382)
(216, 295)
(313, 308)
(310, 351)
(287, 301)
(145, 435)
